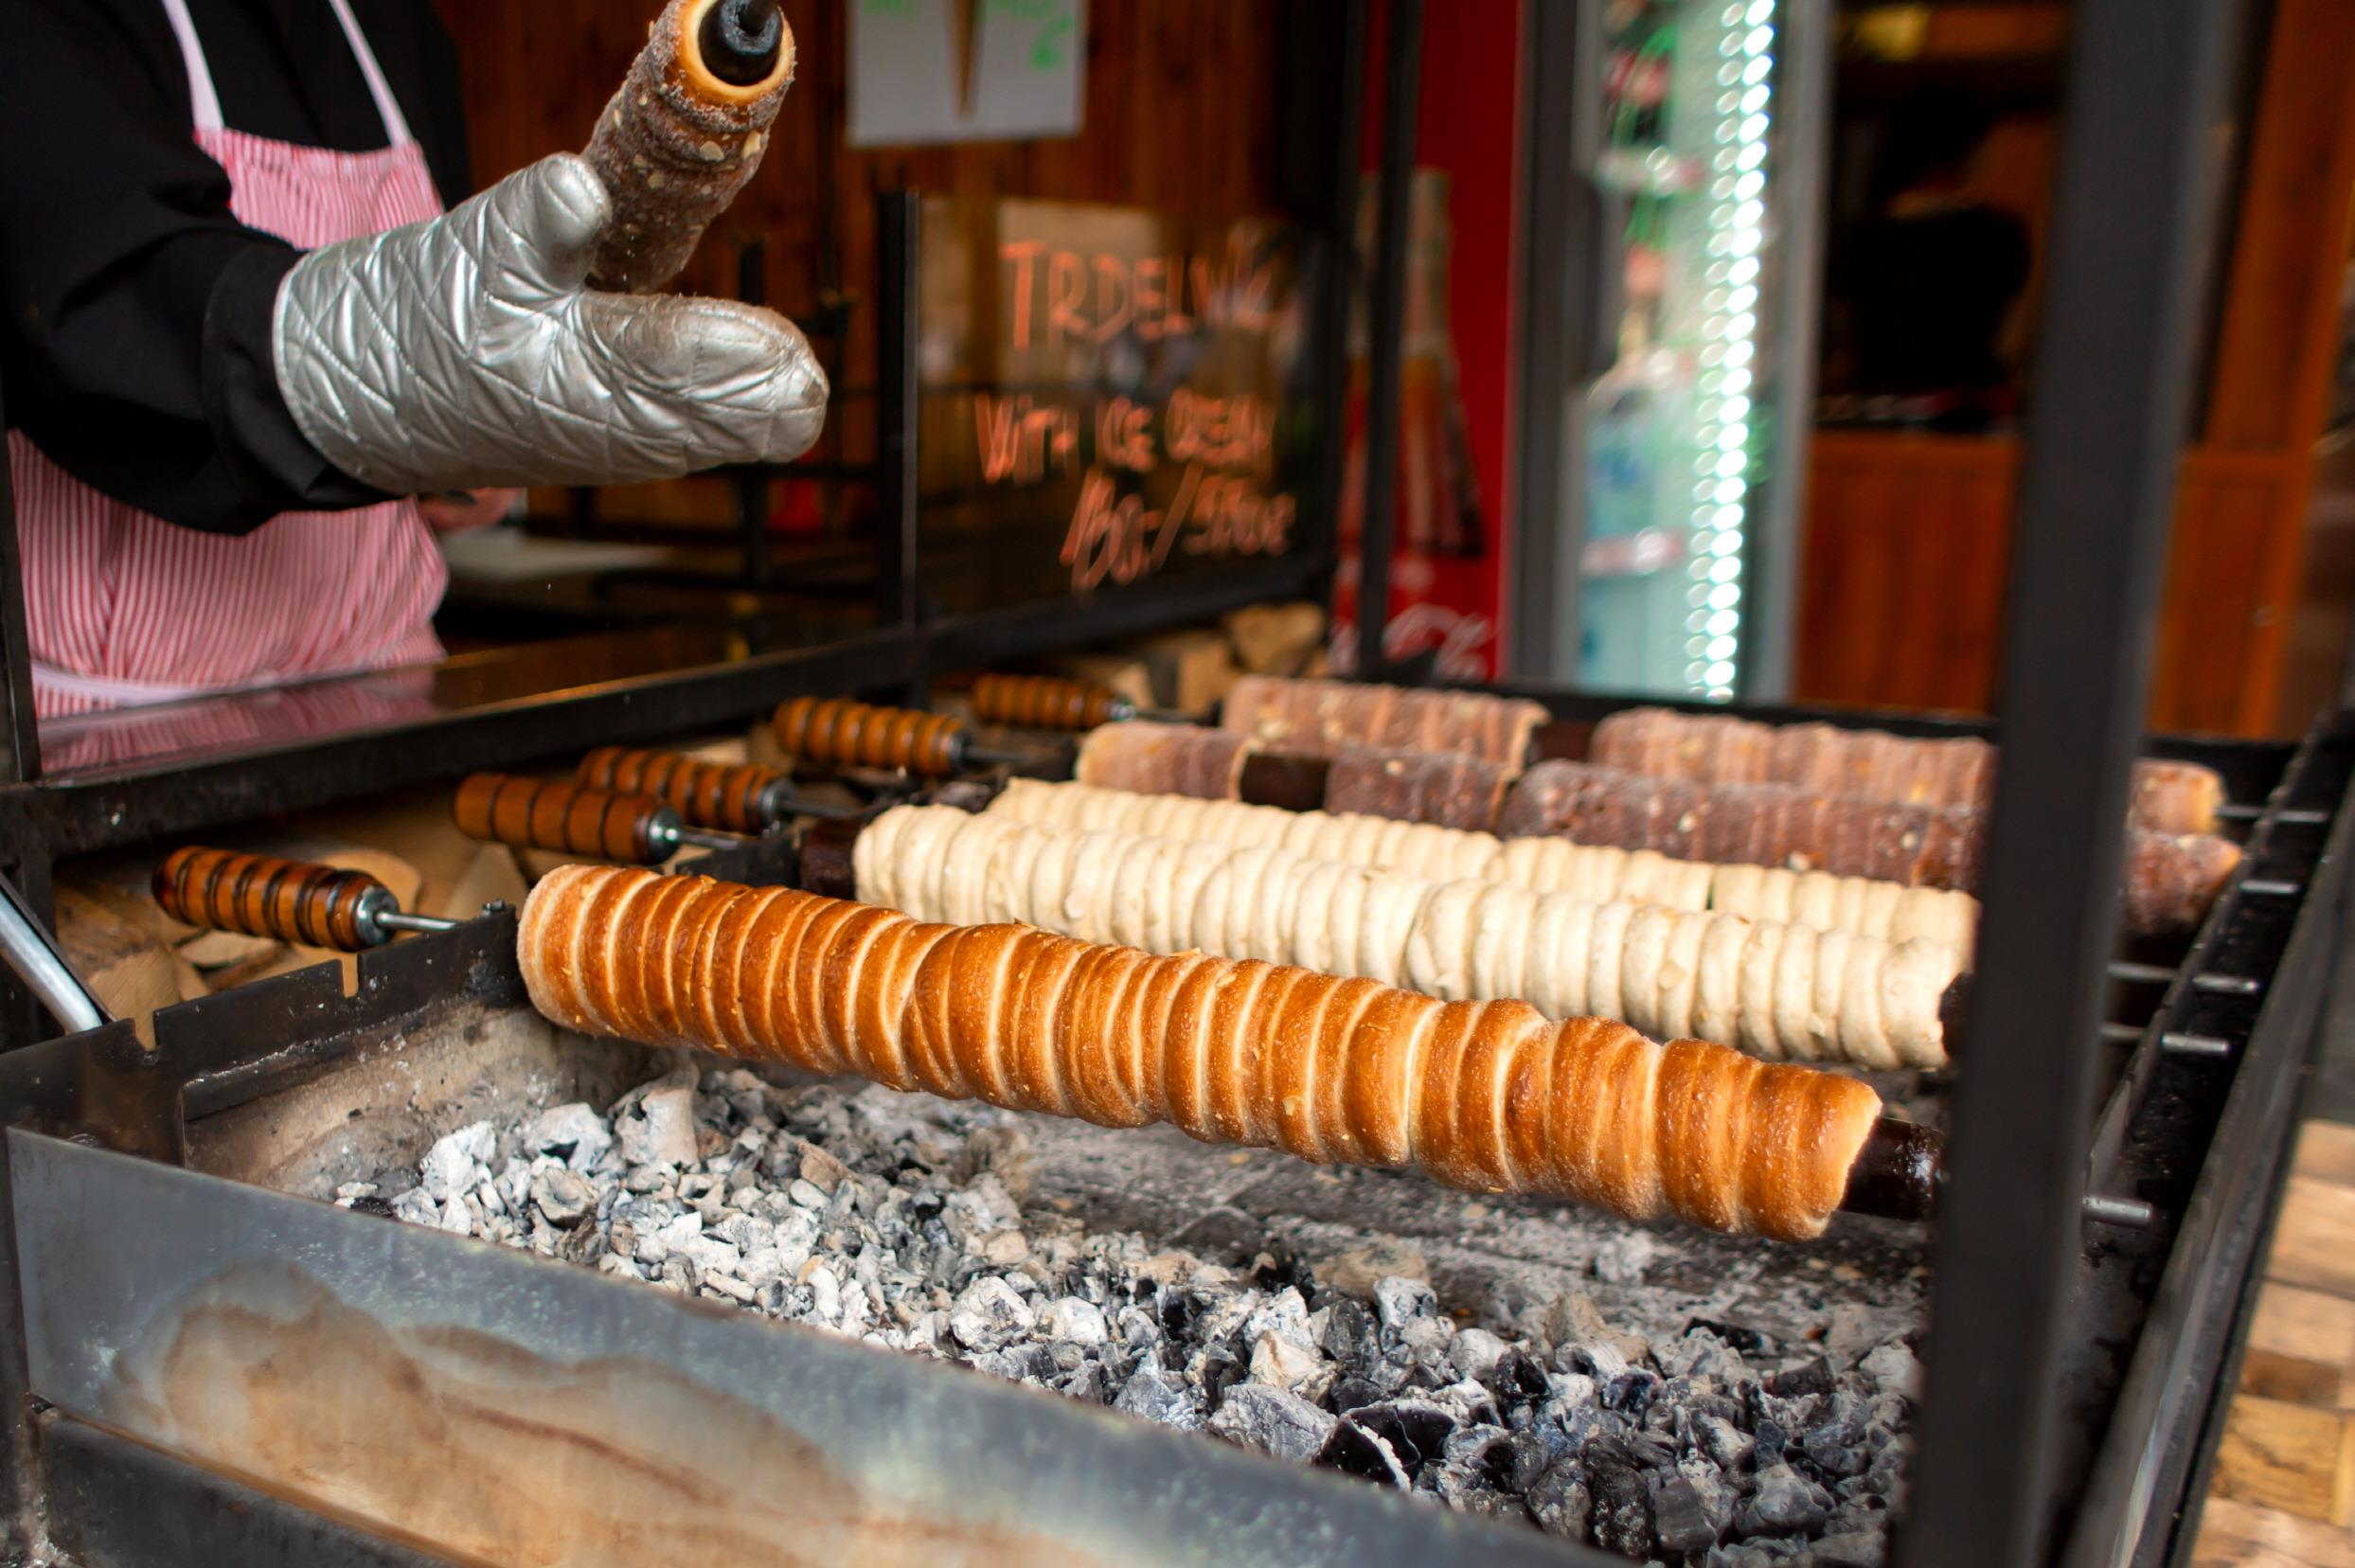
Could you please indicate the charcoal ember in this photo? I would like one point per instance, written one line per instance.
(1631, 1393)
(1399, 1301)
(1516, 1379)
(1750, 1341)
(1415, 1431)
(1835, 1446)
(1216, 1370)
(1622, 1501)
(574, 1133)
(898, 1220)
(564, 1198)
(1469, 1404)
(1349, 1334)
(1679, 1520)
(988, 1314)
(1809, 1377)
(1784, 1503)
(1354, 1450)
(1076, 1321)
(1476, 1473)
(1856, 1549)
(1471, 1352)
(1893, 1369)
(1560, 1503)
(1272, 1421)
(1157, 1396)
(1729, 1446)
(1483, 1448)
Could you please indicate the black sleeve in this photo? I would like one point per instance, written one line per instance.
(135, 310)
(443, 132)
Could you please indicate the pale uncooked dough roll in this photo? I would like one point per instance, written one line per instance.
(1545, 864)
(1439, 950)
(1775, 990)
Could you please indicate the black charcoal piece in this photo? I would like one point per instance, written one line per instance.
(1680, 1522)
(1354, 1451)
(1622, 1515)
(1747, 1341)
(1811, 1377)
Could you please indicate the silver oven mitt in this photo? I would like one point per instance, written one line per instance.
(468, 350)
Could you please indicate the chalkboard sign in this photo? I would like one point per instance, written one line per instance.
(1109, 395)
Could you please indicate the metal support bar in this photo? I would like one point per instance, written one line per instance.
(899, 237)
(1325, 46)
(2137, 161)
(20, 733)
(1386, 322)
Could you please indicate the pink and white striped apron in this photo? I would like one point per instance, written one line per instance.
(126, 609)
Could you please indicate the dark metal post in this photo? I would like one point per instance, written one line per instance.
(20, 734)
(2137, 159)
(899, 226)
(1386, 322)
(752, 485)
(1324, 118)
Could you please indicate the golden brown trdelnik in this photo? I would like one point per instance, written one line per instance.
(1157, 759)
(1489, 1095)
(1318, 717)
(2169, 797)
(2169, 879)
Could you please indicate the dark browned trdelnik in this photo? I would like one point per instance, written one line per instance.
(674, 148)
(835, 732)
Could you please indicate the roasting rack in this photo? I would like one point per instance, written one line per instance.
(2072, 1407)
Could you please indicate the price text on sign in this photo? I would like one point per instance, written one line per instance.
(1188, 471)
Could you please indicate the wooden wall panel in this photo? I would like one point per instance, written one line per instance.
(1902, 585)
(1902, 592)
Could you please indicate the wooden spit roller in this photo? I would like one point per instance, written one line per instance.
(1047, 701)
(685, 133)
(573, 819)
(743, 798)
(320, 906)
(1487, 1096)
(1054, 702)
(836, 732)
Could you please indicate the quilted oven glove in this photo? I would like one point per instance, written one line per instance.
(467, 351)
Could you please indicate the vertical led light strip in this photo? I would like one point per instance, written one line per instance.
(1735, 195)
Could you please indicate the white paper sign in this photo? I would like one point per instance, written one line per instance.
(965, 70)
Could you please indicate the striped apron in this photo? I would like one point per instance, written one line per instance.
(124, 609)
